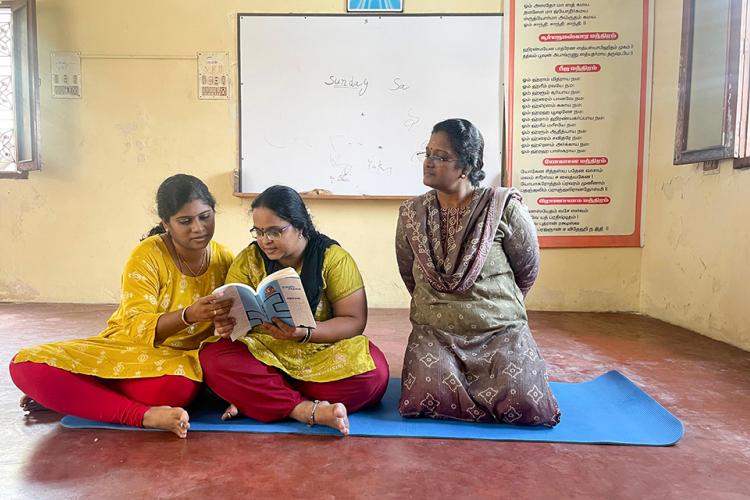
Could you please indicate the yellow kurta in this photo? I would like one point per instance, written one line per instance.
(151, 285)
(310, 362)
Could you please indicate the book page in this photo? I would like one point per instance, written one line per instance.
(252, 307)
(274, 303)
(287, 272)
(246, 310)
(296, 301)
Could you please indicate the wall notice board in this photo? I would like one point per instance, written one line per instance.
(579, 80)
(342, 103)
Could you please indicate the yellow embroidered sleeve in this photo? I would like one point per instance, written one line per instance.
(246, 268)
(226, 257)
(341, 276)
(141, 284)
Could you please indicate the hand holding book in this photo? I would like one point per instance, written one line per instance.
(205, 309)
(279, 300)
(280, 330)
(224, 326)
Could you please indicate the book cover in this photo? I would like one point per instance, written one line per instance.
(279, 295)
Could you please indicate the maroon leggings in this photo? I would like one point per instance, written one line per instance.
(264, 393)
(118, 401)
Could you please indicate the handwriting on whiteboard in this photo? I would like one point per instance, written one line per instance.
(399, 85)
(337, 82)
(377, 166)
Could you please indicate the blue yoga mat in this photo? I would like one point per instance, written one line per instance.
(607, 410)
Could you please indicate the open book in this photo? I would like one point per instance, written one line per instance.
(279, 295)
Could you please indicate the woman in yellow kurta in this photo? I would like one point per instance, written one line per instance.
(144, 366)
(278, 371)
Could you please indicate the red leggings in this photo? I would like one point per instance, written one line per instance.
(118, 401)
(264, 393)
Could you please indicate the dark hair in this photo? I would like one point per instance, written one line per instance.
(287, 204)
(174, 192)
(468, 143)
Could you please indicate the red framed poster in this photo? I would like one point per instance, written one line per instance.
(578, 101)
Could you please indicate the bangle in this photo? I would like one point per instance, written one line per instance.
(307, 336)
(184, 318)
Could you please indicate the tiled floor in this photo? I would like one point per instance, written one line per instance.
(703, 382)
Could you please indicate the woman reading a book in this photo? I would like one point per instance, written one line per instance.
(143, 368)
(468, 256)
(315, 376)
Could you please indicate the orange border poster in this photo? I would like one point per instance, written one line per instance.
(578, 98)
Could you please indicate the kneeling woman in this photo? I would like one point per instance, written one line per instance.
(143, 368)
(279, 371)
(468, 255)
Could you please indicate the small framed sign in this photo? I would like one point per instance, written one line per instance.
(374, 5)
(213, 75)
(66, 75)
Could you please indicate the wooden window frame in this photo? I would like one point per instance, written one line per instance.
(734, 131)
(24, 166)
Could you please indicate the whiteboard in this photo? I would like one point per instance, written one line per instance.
(342, 103)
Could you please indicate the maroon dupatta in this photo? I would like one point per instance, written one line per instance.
(454, 268)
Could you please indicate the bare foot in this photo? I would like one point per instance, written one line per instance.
(333, 415)
(30, 405)
(167, 418)
(230, 412)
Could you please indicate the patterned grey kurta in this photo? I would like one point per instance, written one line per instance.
(471, 355)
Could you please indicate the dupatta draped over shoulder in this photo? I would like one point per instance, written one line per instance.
(455, 268)
(471, 355)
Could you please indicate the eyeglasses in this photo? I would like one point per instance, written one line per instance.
(434, 158)
(271, 234)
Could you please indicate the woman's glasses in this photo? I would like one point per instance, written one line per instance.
(272, 233)
(434, 158)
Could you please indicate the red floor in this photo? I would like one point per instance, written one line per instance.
(705, 383)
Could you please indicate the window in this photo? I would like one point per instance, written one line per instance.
(19, 89)
(712, 117)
